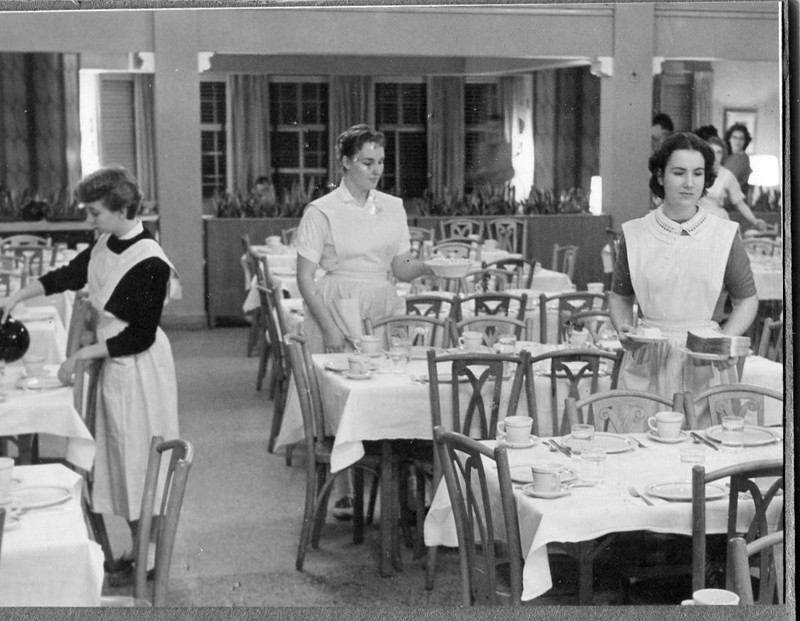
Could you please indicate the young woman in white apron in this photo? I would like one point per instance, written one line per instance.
(674, 263)
(129, 280)
(360, 238)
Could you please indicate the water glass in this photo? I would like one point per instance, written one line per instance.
(732, 434)
(692, 456)
(593, 465)
(399, 354)
(582, 436)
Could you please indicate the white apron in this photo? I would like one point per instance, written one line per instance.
(677, 280)
(359, 286)
(137, 395)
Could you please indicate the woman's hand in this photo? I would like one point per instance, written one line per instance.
(760, 224)
(66, 371)
(6, 306)
(638, 350)
(333, 340)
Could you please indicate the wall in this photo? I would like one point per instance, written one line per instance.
(751, 85)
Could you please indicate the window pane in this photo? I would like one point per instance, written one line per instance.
(387, 104)
(316, 152)
(285, 150)
(414, 170)
(413, 104)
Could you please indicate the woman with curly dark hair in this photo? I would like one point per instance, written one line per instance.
(737, 139)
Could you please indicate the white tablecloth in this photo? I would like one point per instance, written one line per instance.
(611, 508)
(759, 371)
(44, 411)
(769, 280)
(47, 556)
(46, 329)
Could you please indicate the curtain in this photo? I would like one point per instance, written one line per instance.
(516, 102)
(144, 135)
(250, 148)
(446, 134)
(352, 101)
(702, 108)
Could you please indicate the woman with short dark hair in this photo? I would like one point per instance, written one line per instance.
(737, 139)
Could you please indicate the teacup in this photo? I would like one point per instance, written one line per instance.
(595, 287)
(666, 424)
(579, 337)
(34, 365)
(274, 240)
(546, 478)
(369, 344)
(712, 597)
(490, 244)
(403, 288)
(358, 364)
(470, 340)
(515, 429)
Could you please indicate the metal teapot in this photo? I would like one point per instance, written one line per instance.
(14, 340)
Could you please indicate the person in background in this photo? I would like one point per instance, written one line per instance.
(674, 262)
(129, 280)
(725, 188)
(737, 139)
(359, 237)
(662, 127)
(706, 131)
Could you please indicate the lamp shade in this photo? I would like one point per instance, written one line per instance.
(766, 171)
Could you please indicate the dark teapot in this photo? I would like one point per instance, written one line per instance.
(14, 340)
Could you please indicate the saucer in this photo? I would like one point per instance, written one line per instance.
(638, 338)
(358, 376)
(529, 489)
(532, 441)
(653, 435)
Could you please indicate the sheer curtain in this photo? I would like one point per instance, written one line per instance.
(516, 101)
(352, 100)
(250, 148)
(446, 134)
(144, 135)
(703, 93)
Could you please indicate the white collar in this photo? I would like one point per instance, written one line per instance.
(136, 230)
(691, 226)
(369, 205)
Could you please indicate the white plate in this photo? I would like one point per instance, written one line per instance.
(523, 474)
(358, 376)
(39, 382)
(36, 497)
(638, 338)
(610, 344)
(701, 356)
(532, 441)
(682, 436)
(337, 367)
(443, 378)
(612, 442)
(682, 491)
(528, 489)
(753, 436)
(483, 349)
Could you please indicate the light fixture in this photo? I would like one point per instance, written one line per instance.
(596, 196)
(766, 175)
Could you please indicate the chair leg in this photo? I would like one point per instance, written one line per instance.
(277, 414)
(252, 336)
(98, 526)
(373, 497)
(358, 506)
(419, 543)
(308, 522)
(289, 455)
(262, 364)
(430, 567)
(321, 508)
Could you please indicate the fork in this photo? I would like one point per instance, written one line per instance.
(635, 493)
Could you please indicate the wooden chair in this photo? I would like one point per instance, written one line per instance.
(480, 557)
(741, 481)
(496, 304)
(34, 251)
(2, 527)
(13, 268)
(419, 330)
(555, 366)
(620, 411)
(318, 445)
(511, 234)
(564, 259)
(493, 327)
(770, 345)
(460, 227)
(597, 324)
(25, 240)
(728, 400)
(433, 306)
(762, 246)
(458, 249)
(164, 529)
(418, 236)
(771, 572)
(250, 268)
(523, 270)
(288, 235)
(282, 369)
(490, 280)
(475, 412)
(568, 305)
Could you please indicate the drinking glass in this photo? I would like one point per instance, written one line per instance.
(593, 465)
(582, 436)
(399, 354)
(732, 434)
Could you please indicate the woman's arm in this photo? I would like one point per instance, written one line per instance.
(406, 268)
(90, 352)
(742, 316)
(32, 290)
(620, 308)
(748, 214)
(332, 336)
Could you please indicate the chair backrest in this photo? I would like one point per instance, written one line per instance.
(288, 235)
(762, 246)
(497, 304)
(82, 332)
(307, 386)
(620, 411)
(597, 324)
(420, 234)
(2, 527)
(744, 400)
(564, 259)
(511, 234)
(568, 305)
(565, 365)
(475, 382)
(493, 327)
(12, 268)
(181, 455)
(34, 254)
(433, 306)
(770, 345)
(467, 478)
(771, 569)
(419, 330)
(25, 240)
(490, 279)
(742, 481)
(523, 270)
(460, 227)
(458, 249)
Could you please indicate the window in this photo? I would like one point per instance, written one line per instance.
(213, 138)
(401, 114)
(299, 120)
(480, 105)
(117, 122)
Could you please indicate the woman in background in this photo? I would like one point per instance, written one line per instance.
(737, 139)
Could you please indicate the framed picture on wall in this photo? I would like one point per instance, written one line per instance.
(745, 116)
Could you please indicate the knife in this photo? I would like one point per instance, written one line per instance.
(563, 449)
(697, 436)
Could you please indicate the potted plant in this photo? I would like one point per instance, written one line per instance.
(64, 207)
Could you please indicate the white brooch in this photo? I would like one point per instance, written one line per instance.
(372, 206)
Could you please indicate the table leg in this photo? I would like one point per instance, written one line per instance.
(387, 509)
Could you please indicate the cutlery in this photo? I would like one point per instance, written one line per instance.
(639, 442)
(635, 493)
(697, 436)
(563, 449)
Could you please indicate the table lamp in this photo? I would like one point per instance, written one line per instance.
(766, 175)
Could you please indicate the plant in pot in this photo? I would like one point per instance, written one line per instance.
(227, 205)
(64, 207)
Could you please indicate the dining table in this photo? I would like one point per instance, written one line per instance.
(48, 336)
(584, 515)
(47, 556)
(768, 276)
